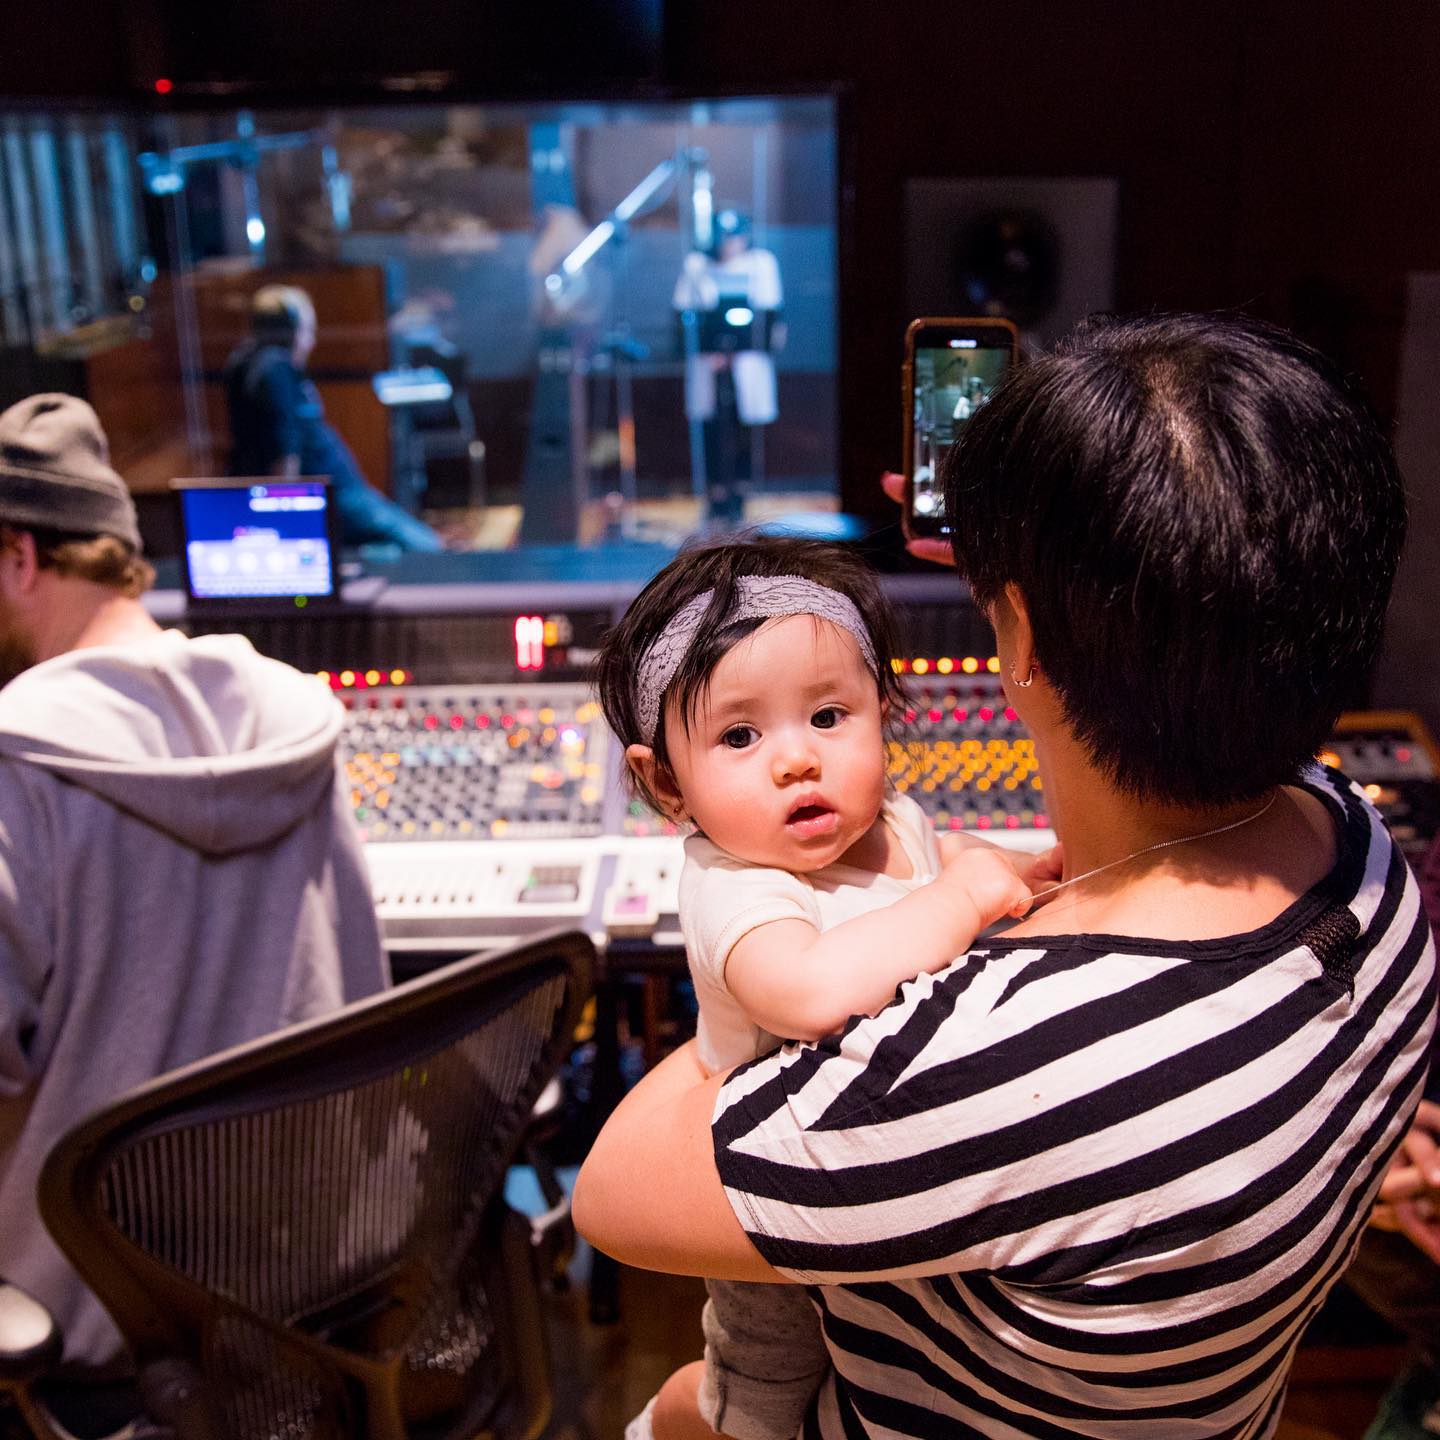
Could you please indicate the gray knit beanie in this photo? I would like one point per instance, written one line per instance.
(55, 471)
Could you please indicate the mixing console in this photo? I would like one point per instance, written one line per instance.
(964, 755)
(533, 765)
(469, 896)
(1391, 753)
(476, 763)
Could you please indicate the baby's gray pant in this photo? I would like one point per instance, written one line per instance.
(764, 1359)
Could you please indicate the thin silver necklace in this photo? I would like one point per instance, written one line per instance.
(1159, 845)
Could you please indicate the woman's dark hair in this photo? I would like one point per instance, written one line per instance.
(1204, 518)
(717, 567)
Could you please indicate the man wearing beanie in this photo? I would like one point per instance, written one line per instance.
(178, 866)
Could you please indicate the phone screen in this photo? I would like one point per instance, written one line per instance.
(953, 368)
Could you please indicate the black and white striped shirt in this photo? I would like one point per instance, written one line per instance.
(1096, 1185)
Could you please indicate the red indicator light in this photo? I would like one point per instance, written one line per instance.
(529, 642)
(507, 721)
(457, 722)
(1402, 754)
(962, 714)
(986, 713)
(935, 716)
(983, 823)
(432, 722)
(482, 722)
(1011, 713)
(955, 823)
(1012, 822)
(1042, 822)
(164, 86)
(909, 717)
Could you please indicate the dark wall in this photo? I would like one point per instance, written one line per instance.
(1273, 156)
(504, 45)
(112, 48)
(88, 48)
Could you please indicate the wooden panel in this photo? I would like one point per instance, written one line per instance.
(135, 391)
(364, 422)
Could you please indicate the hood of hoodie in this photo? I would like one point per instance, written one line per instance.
(204, 739)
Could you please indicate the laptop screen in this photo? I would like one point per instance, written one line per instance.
(258, 539)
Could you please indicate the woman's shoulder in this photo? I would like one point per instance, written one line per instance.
(1335, 852)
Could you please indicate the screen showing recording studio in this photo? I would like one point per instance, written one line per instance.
(590, 329)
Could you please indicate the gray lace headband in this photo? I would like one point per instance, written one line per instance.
(760, 597)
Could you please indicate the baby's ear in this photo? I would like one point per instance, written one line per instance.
(655, 779)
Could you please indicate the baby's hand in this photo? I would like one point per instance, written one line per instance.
(1036, 870)
(989, 877)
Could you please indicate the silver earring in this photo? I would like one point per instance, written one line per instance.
(1029, 679)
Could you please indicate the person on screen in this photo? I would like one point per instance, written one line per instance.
(278, 424)
(179, 869)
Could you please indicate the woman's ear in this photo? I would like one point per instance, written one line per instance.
(1010, 617)
(655, 779)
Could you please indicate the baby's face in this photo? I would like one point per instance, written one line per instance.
(784, 763)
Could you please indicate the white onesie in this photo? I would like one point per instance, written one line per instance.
(722, 899)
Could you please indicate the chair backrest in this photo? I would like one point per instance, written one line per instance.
(312, 1224)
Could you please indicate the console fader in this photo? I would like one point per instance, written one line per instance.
(491, 812)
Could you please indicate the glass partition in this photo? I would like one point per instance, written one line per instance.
(592, 326)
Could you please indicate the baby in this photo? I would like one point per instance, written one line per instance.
(750, 683)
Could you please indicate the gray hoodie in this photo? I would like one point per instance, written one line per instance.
(178, 873)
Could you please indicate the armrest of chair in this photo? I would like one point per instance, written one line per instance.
(30, 1340)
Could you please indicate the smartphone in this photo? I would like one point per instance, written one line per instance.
(951, 366)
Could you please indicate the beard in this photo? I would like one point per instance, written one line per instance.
(17, 651)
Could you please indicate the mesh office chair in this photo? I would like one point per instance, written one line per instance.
(304, 1238)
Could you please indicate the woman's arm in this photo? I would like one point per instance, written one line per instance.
(649, 1193)
(800, 983)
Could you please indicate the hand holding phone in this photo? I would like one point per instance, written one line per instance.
(951, 366)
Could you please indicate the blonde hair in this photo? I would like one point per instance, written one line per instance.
(100, 559)
(280, 309)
